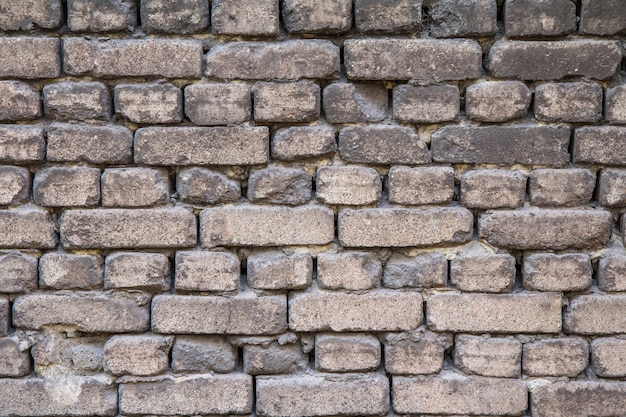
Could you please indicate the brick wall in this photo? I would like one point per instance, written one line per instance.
(312, 208)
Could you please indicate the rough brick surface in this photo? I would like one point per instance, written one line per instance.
(30, 57)
(568, 102)
(181, 17)
(143, 271)
(101, 15)
(602, 17)
(348, 271)
(582, 398)
(463, 18)
(44, 14)
(612, 188)
(567, 187)
(241, 17)
(290, 186)
(287, 102)
(428, 185)
(26, 228)
(21, 144)
(551, 272)
(495, 357)
(612, 272)
(526, 18)
(497, 101)
(353, 103)
(348, 185)
(149, 103)
(18, 273)
(303, 142)
(14, 185)
(388, 16)
(274, 359)
(15, 361)
(135, 187)
(68, 187)
(203, 354)
(600, 145)
(94, 144)
(477, 272)
(62, 271)
(595, 314)
(136, 355)
(18, 101)
(491, 188)
(555, 357)
(415, 357)
(202, 186)
(615, 105)
(274, 271)
(426, 270)
(342, 353)
(317, 16)
(433, 104)
(207, 271)
(68, 100)
(218, 104)
(607, 357)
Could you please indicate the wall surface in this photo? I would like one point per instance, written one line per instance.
(312, 208)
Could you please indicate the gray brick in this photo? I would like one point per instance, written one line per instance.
(352, 103)
(595, 314)
(14, 185)
(30, 57)
(300, 142)
(242, 17)
(551, 272)
(431, 104)
(67, 187)
(406, 59)
(615, 105)
(422, 271)
(483, 272)
(612, 272)
(5, 308)
(497, 357)
(18, 101)
(15, 358)
(493, 188)
(458, 18)
(561, 187)
(600, 145)
(415, 357)
(20, 144)
(94, 144)
(497, 101)
(348, 185)
(207, 271)
(137, 355)
(348, 271)
(274, 359)
(539, 18)
(276, 271)
(607, 357)
(388, 16)
(317, 16)
(578, 398)
(346, 353)
(202, 186)
(290, 102)
(277, 185)
(149, 103)
(218, 104)
(203, 354)
(568, 102)
(135, 187)
(69, 100)
(602, 17)
(44, 14)
(18, 273)
(27, 228)
(180, 17)
(427, 185)
(141, 271)
(64, 271)
(101, 15)
(555, 357)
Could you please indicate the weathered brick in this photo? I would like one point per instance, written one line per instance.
(67, 187)
(137, 355)
(207, 271)
(261, 60)
(303, 142)
(87, 357)
(317, 16)
(101, 15)
(568, 102)
(430, 104)
(90, 313)
(213, 394)
(246, 314)
(561, 187)
(493, 188)
(64, 271)
(290, 102)
(497, 101)
(346, 353)
(27, 228)
(555, 357)
(600, 145)
(595, 314)
(21, 144)
(266, 226)
(497, 313)
(15, 360)
(274, 359)
(94, 144)
(483, 272)
(201, 186)
(422, 271)
(383, 311)
(312, 395)
(203, 354)
(348, 271)
(18, 101)
(5, 308)
(612, 272)
(135, 187)
(30, 57)
(142, 271)
(171, 58)
(615, 105)
(578, 399)
(415, 357)
(406, 59)
(539, 18)
(202, 145)
(382, 144)
(180, 17)
(607, 357)
(14, 185)
(277, 271)
(352, 103)
(44, 14)
(404, 227)
(18, 273)
(602, 17)
(554, 60)
(495, 357)
(546, 229)
(149, 103)
(458, 18)
(277, 185)
(133, 229)
(453, 394)
(388, 16)
(428, 185)
(551, 272)
(348, 185)
(218, 104)
(521, 144)
(242, 17)
(70, 100)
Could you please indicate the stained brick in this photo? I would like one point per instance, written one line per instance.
(21, 144)
(242, 17)
(578, 399)
(487, 189)
(612, 272)
(137, 355)
(495, 357)
(607, 357)
(348, 271)
(428, 185)
(388, 16)
(352, 103)
(275, 271)
(18, 101)
(615, 105)
(18, 273)
(202, 186)
(459, 18)
(346, 353)
(286, 102)
(481, 272)
(555, 357)
(561, 187)
(64, 271)
(67, 187)
(207, 271)
(44, 14)
(602, 17)
(551, 272)
(497, 101)
(600, 145)
(142, 271)
(274, 359)
(149, 103)
(30, 57)
(422, 271)
(203, 354)
(14, 185)
(317, 16)
(15, 358)
(277, 185)
(299, 142)
(101, 15)
(180, 17)
(415, 357)
(539, 18)
(135, 187)
(5, 318)
(431, 104)
(568, 102)
(348, 185)
(218, 104)
(95, 144)
(69, 100)
(27, 228)
(595, 314)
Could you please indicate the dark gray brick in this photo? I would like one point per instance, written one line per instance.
(539, 18)
(600, 145)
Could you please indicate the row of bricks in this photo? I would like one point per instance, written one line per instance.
(224, 104)
(364, 59)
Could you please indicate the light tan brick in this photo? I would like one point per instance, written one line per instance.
(15, 360)
(612, 188)
(18, 101)
(493, 188)
(44, 14)
(18, 273)
(555, 357)
(348, 185)
(286, 102)
(595, 314)
(137, 355)
(427, 185)
(149, 103)
(348, 271)
(552, 272)
(480, 272)
(67, 187)
(207, 271)
(276, 271)
(608, 357)
(142, 271)
(30, 57)
(20, 144)
(135, 187)
(415, 357)
(260, 18)
(495, 357)
(93, 144)
(346, 353)
(14, 185)
(26, 229)
(64, 271)
(612, 272)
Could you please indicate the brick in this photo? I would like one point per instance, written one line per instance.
(43, 397)
(452, 394)
(348, 271)
(607, 357)
(181, 17)
(89, 313)
(382, 144)
(119, 57)
(521, 144)
(21, 144)
(18, 273)
(312, 395)
(290, 102)
(561, 187)
(604, 17)
(202, 145)
(207, 271)
(274, 359)
(27, 228)
(203, 354)
(418, 186)
(241, 17)
(14, 185)
(266, 226)
(431, 104)
(101, 15)
(348, 185)
(277, 185)
(578, 398)
(551, 272)
(539, 18)
(353, 103)
(612, 272)
(555, 357)
(414, 357)
(546, 229)
(135, 187)
(321, 16)
(422, 271)
(5, 318)
(15, 360)
(93, 144)
(383, 311)
(595, 314)
(18, 101)
(44, 14)
(277, 271)
(70, 100)
(137, 355)
(497, 313)
(388, 16)
(30, 57)
(406, 59)
(141, 271)
(615, 105)
(346, 353)
(67, 187)
(482, 272)
(600, 145)
(64, 271)
(568, 102)
(300, 142)
(497, 357)
(202, 186)
(245, 314)
(404, 227)
(317, 59)
(132, 229)
(149, 103)
(493, 188)
(218, 104)
(497, 101)
(554, 60)
(458, 18)
(213, 394)
(87, 357)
